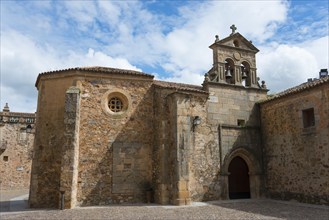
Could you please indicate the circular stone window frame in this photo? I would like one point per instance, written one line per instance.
(123, 96)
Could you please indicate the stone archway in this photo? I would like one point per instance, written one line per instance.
(254, 171)
(238, 179)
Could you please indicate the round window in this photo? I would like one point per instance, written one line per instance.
(115, 104)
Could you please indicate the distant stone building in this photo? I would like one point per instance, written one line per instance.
(16, 144)
(108, 135)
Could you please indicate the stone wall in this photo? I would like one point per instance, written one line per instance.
(297, 158)
(49, 140)
(16, 142)
(194, 160)
(115, 150)
(204, 155)
(233, 116)
(95, 156)
(176, 169)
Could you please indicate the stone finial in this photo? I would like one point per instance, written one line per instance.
(217, 38)
(206, 77)
(233, 28)
(6, 108)
(263, 85)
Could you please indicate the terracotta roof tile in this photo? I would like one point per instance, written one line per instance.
(179, 86)
(296, 89)
(97, 69)
(103, 70)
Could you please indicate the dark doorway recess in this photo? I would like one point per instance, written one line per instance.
(238, 179)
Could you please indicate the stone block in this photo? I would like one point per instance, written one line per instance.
(182, 185)
(179, 202)
(183, 194)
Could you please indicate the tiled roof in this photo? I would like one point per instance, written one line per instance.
(179, 86)
(97, 69)
(300, 88)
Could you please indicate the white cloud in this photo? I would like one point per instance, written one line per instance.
(187, 46)
(285, 66)
(319, 48)
(127, 34)
(83, 13)
(97, 58)
(23, 59)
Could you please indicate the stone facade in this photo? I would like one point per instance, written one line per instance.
(16, 144)
(296, 159)
(108, 135)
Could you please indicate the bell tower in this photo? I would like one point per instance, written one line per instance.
(233, 113)
(234, 61)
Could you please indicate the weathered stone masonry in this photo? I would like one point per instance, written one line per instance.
(16, 144)
(108, 135)
(297, 156)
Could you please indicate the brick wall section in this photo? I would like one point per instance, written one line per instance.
(16, 145)
(297, 158)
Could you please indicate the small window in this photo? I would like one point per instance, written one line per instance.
(241, 122)
(5, 158)
(13, 119)
(29, 120)
(115, 104)
(308, 117)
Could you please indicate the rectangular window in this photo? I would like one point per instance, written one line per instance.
(241, 122)
(5, 158)
(13, 119)
(29, 120)
(308, 117)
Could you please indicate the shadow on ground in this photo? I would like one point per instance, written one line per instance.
(15, 204)
(275, 208)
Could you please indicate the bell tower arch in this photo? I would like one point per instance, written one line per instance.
(234, 61)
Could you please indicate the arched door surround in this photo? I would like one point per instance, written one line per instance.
(254, 169)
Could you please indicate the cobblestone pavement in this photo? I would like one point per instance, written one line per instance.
(233, 209)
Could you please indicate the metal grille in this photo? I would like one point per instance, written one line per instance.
(115, 104)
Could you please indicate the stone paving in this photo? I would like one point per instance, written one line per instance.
(232, 209)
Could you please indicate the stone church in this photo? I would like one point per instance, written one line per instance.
(106, 135)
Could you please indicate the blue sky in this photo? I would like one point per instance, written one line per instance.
(169, 39)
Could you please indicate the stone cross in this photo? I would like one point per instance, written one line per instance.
(233, 29)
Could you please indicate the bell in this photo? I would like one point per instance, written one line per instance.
(228, 74)
(244, 74)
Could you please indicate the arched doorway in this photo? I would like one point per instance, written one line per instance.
(239, 186)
